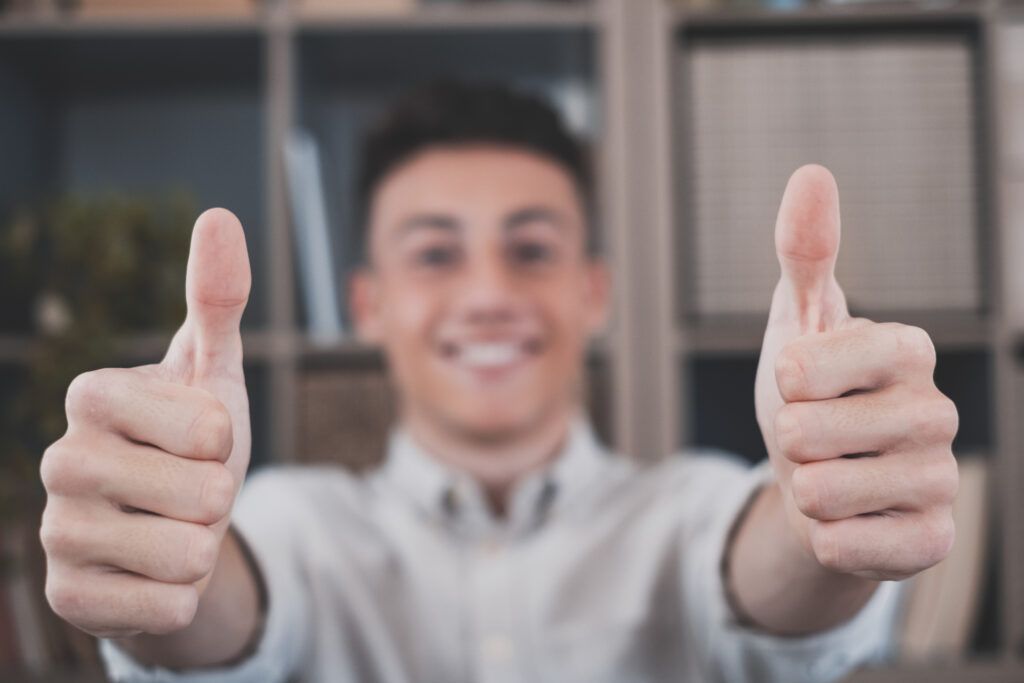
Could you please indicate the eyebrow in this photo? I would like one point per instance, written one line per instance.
(534, 214)
(448, 223)
(429, 221)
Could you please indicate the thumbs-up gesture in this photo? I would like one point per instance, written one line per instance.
(858, 434)
(140, 487)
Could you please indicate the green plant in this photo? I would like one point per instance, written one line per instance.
(82, 274)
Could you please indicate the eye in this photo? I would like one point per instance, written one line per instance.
(532, 252)
(437, 256)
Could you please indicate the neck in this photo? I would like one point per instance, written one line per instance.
(496, 460)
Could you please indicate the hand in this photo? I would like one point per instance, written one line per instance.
(140, 487)
(858, 434)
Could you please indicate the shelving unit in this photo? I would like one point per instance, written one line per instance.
(67, 87)
(718, 354)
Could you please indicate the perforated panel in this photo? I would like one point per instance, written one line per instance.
(892, 118)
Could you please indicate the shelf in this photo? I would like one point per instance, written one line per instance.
(350, 351)
(949, 332)
(429, 18)
(457, 18)
(145, 348)
(258, 347)
(14, 26)
(383, 56)
(344, 352)
(815, 16)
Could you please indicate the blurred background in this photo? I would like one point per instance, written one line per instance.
(120, 120)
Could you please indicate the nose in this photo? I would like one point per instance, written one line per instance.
(489, 292)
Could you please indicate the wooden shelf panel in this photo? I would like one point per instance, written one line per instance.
(258, 346)
(350, 350)
(760, 18)
(15, 26)
(456, 18)
(431, 18)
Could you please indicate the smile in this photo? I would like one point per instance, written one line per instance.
(490, 355)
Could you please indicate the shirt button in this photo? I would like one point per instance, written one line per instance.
(497, 648)
(490, 546)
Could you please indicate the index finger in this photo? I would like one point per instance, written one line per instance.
(175, 418)
(862, 357)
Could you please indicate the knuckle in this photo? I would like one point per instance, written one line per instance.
(791, 371)
(945, 479)
(826, 545)
(200, 553)
(59, 468)
(211, 432)
(916, 345)
(936, 421)
(62, 594)
(789, 432)
(178, 611)
(949, 418)
(217, 493)
(938, 539)
(807, 492)
(56, 533)
(87, 393)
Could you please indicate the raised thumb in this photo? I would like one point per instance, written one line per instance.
(807, 234)
(217, 283)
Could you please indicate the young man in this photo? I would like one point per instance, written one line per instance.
(499, 541)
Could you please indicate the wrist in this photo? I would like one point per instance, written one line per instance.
(773, 584)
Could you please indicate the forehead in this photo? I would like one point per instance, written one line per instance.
(474, 183)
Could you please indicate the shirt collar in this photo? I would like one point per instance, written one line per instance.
(452, 496)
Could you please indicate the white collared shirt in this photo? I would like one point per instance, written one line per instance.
(603, 570)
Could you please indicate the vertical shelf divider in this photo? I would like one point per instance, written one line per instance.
(637, 194)
(279, 69)
(1006, 436)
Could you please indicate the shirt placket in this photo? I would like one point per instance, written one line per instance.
(498, 649)
(495, 648)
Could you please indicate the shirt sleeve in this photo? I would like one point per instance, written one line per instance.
(732, 652)
(260, 517)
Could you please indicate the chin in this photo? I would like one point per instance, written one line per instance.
(496, 425)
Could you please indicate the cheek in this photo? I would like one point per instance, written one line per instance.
(566, 320)
(408, 318)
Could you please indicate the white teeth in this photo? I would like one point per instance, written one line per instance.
(489, 354)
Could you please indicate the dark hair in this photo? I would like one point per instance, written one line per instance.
(455, 113)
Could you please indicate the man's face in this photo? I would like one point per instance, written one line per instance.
(480, 289)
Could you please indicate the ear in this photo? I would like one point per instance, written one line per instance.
(364, 305)
(597, 296)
